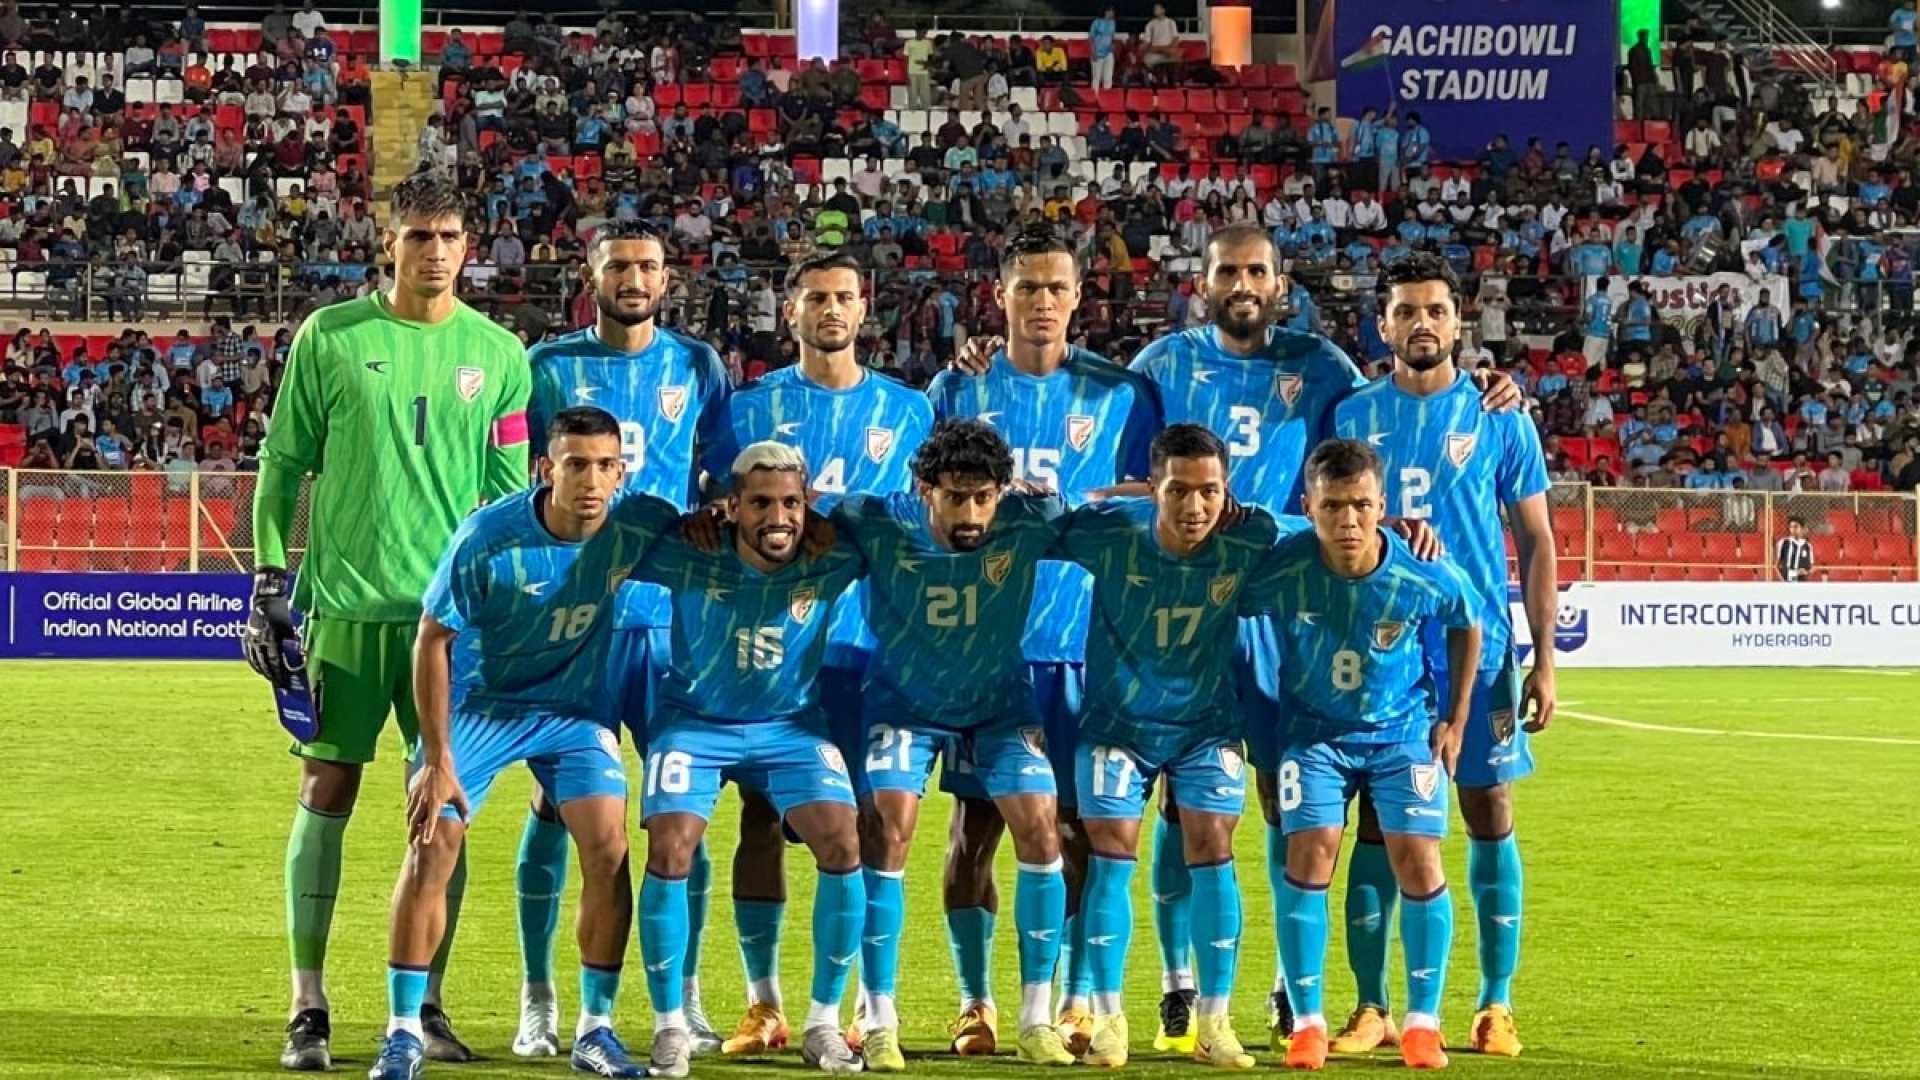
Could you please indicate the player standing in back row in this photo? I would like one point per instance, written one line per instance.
(1269, 392)
(857, 431)
(1449, 462)
(1076, 424)
(669, 392)
(408, 408)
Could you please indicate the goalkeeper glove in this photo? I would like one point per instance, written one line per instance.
(270, 626)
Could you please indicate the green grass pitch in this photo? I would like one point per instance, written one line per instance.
(1699, 905)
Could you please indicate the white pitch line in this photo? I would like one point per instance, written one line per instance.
(1669, 729)
(1897, 673)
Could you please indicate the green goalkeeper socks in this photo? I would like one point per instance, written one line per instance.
(313, 885)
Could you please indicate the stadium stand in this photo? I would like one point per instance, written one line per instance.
(192, 172)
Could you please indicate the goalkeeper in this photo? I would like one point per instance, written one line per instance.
(407, 408)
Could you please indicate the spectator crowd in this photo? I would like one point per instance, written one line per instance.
(748, 160)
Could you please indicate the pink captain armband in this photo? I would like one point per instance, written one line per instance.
(510, 430)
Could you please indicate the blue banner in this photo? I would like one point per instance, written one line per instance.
(124, 616)
(1473, 69)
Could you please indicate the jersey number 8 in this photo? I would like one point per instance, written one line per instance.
(1347, 672)
(1289, 784)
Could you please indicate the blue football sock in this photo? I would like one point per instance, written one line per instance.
(1039, 909)
(1493, 873)
(540, 877)
(970, 933)
(1076, 978)
(1276, 886)
(758, 923)
(1216, 930)
(1303, 945)
(699, 890)
(839, 911)
(1106, 913)
(663, 940)
(1172, 904)
(880, 942)
(598, 987)
(1426, 929)
(1371, 892)
(406, 989)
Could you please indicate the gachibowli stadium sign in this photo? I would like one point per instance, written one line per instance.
(1732, 624)
(1476, 68)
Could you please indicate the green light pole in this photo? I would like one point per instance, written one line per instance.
(400, 31)
(1638, 15)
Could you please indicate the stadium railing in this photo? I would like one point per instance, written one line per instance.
(1668, 534)
(141, 522)
(155, 522)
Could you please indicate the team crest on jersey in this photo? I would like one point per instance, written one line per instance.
(800, 603)
(468, 382)
(1501, 721)
(1221, 589)
(1387, 634)
(608, 742)
(1231, 762)
(1079, 431)
(830, 756)
(1426, 780)
(673, 402)
(1460, 448)
(1035, 740)
(996, 565)
(879, 444)
(617, 577)
(1288, 387)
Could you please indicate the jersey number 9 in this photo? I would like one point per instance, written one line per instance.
(633, 447)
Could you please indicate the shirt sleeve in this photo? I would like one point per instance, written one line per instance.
(295, 445)
(458, 587)
(1454, 610)
(1144, 423)
(507, 465)
(720, 445)
(1522, 472)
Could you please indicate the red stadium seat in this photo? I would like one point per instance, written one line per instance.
(1138, 100)
(696, 95)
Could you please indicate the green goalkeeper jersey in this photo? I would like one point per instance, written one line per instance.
(406, 428)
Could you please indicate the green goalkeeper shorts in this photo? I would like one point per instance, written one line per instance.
(360, 672)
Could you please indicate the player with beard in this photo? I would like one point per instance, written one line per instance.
(741, 702)
(669, 393)
(858, 431)
(1076, 424)
(1450, 462)
(1269, 392)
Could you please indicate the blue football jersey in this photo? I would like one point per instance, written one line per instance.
(533, 613)
(1087, 426)
(1351, 663)
(670, 398)
(947, 624)
(1450, 461)
(1161, 646)
(747, 646)
(857, 441)
(1272, 408)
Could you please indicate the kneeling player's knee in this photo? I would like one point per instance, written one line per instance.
(1487, 811)
(1417, 866)
(670, 846)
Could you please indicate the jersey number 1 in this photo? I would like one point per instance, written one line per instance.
(420, 420)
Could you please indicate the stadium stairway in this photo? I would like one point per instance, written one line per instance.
(402, 101)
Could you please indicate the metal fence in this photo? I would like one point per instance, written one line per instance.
(133, 521)
(167, 521)
(1660, 534)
